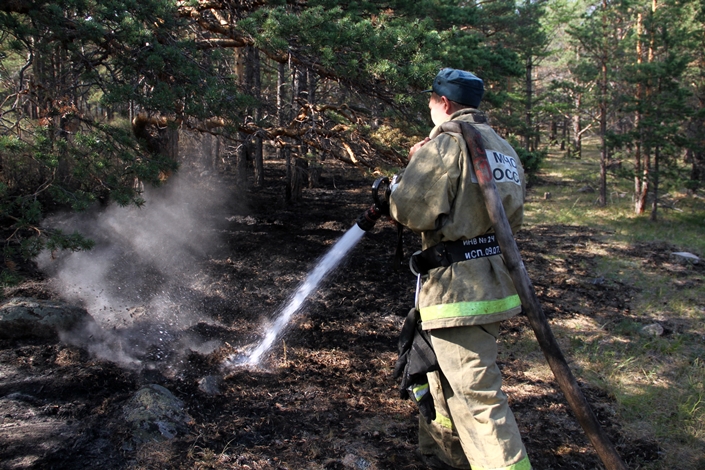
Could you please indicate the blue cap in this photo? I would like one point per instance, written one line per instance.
(459, 86)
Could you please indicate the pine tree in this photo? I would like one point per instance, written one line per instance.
(660, 101)
(531, 44)
(600, 37)
(81, 63)
(695, 127)
(569, 75)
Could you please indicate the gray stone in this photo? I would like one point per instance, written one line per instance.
(356, 462)
(684, 257)
(23, 317)
(655, 329)
(155, 415)
(210, 385)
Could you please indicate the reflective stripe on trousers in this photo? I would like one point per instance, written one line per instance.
(469, 309)
(523, 464)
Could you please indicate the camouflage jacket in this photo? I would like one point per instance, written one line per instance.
(438, 196)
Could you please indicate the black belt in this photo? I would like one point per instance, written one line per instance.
(447, 253)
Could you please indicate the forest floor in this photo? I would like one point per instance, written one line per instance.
(324, 397)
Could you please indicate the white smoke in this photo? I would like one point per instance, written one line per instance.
(141, 281)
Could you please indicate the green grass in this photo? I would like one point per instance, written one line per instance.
(658, 382)
(681, 218)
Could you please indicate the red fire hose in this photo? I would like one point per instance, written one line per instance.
(529, 300)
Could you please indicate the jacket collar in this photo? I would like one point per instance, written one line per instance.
(467, 114)
(470, 115)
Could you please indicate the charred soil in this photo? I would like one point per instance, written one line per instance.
(324, 398)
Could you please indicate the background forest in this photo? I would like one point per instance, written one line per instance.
(94, 94)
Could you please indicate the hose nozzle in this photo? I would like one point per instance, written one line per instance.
(368, 218)
(380, 206)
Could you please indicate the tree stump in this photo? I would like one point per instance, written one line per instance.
(299, 179)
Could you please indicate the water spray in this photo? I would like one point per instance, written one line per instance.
(332, 259)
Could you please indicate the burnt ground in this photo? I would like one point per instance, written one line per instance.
(324, 397)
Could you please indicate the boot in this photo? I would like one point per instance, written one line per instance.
(434, 463)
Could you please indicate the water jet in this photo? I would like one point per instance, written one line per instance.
(331, 259)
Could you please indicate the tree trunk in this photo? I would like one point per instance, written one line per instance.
(241, 149)
(216, 154)
(641, 170)
(282, 117)
(577, 128)
(256, 83)
(300, 179)
(645, 158)
(654, 203)
(528, 108)
(241, 161)
(603, 114)
(696, 169)
(314, 175)
(294, 175)
(564, 133)
(240, 60)
(311, 82)
(537, 137)
(603, 152)
(301, 92)
(640, 202)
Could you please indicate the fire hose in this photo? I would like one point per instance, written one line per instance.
(605, 450)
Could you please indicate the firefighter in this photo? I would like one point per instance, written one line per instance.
(464, 289)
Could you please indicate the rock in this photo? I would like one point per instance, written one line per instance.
(356, 462)
(156, 415)
(586, 189)
(683, 257)
(655, 329)
(24, 317)
(210, 385)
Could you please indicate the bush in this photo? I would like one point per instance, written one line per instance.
(531, 161)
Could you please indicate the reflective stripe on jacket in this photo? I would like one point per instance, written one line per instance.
(437, 196)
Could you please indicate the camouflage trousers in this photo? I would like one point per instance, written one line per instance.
(474, 427)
